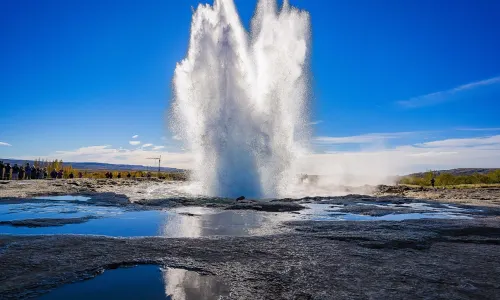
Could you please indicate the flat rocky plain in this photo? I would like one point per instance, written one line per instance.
(412, 259)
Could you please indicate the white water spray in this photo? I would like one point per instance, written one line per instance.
(240, 102)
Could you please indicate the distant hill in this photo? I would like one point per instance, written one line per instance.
(457, 172)
(99, 166)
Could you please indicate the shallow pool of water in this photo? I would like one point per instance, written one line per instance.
(194, 222)
(325, 212)
(64, 198)
(121, 221)
(143, 282)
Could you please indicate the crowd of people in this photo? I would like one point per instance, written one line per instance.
(27, 172)
(30, 171)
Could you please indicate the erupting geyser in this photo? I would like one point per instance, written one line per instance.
(240, 102)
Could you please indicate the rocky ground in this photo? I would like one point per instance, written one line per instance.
(414, 259)
(481, 196)
(320, 260)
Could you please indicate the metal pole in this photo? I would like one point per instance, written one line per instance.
(159, 166)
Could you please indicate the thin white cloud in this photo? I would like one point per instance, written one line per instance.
(359, 139)
(135, 136)
(463, 142)
(147, 145)
(134, 143)
(5, 144)
(443, 96)
(478, 129)
(158, 147)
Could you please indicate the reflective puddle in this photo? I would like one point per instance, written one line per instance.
(385, 212)
(143, 282)
(64, 198)
(189, 222)
(74, 215)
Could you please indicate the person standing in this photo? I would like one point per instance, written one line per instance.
(33, 172)
(7, 171)
(28, 171)
(15, 172)
(21, 173)
(2, 166)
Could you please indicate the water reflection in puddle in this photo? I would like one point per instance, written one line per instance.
(189, 222)
(64, 198)
(325, 212)
(143, 282)
(194, 222)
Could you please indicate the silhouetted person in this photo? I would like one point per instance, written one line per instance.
(2, 167)
(33, 172)
(53, 174)
(15, 172)
(60, 174)
(128, 175)
(7, 171)
(28, 171)
(433, 181)
(119, 175)
(21, 173)
(71, 176)
(80, 175)
(45, 174)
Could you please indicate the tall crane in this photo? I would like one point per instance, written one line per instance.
(159, 163)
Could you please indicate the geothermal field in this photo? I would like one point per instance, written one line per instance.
(246, 225)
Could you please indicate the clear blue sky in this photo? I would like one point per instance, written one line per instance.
(95, 72)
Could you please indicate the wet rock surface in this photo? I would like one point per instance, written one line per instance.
(438, 259)
(46, 222)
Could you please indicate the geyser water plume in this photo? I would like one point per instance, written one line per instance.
(240, 99)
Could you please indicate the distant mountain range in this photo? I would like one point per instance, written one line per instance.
(457, 172)
(99, 166)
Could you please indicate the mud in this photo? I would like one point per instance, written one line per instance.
(438, 259)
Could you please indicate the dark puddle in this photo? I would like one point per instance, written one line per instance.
(143, 282)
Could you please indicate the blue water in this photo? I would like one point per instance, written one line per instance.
(192, 222)
(64, 198)
(127, 222)
(325, 212)
(142, 282)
